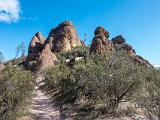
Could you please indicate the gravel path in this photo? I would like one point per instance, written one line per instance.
(42, 107)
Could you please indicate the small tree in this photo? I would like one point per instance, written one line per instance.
(20, 48)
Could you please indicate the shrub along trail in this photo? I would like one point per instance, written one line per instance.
(42, 107)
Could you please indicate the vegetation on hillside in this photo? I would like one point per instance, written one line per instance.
(16, 85)
(101, 84)
(95, 85)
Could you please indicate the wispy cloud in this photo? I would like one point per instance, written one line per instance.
(29, 18)
(9, 10)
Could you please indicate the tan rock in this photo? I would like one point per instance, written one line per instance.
(36, 46)
(47, 59)
(141, 61)
(101, 30)
(100, 43)
(118, 40)
(63, 38)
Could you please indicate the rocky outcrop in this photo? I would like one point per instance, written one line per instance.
(140, 60)
(63, 38)
(120, 44)
(46, 59)
(118, 40)
(102, 31)
(36, 46)
(100, 43)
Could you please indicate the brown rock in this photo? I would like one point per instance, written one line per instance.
(140, 60)
(101, 30)
(100, 43)
(118, 40)
(63, 38)
(47, 59)
(36, 46)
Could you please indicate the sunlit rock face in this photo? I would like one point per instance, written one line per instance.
(63, 38)
(120, 44)
(100, 43)
(47, 59)
(36, 46)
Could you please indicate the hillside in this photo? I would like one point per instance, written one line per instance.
(62, 78)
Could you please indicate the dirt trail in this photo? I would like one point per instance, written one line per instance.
(42, 107)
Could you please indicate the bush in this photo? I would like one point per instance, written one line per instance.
(149, 101)
(101, 84)
(15, 87)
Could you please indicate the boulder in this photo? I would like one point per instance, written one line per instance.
(63, 38)
(101, 30)
(118, 40)
(36, 46)
(47, 59)
(100, 43)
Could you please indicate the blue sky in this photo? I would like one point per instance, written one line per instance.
(137, 20)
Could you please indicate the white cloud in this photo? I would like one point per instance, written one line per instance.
(9, 10)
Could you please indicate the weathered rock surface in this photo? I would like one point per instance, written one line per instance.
(36, 46)
(46, 59)
(63, 38)
(142, 61)
(100, 43)
(101, 30)
(120, 43)
(118, 40)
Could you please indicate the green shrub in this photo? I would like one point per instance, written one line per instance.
(16, 85)
(101, 84)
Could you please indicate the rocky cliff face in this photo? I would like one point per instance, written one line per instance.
(120, 43)
(46, 59)
(36, 46)
(101, 43)
(63, 38)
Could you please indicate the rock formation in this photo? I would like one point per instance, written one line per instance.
(36, 46)
(63, 38)
(120, 43)
(100, 43)
(46, 59)
(140, 60)
(118, 40)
